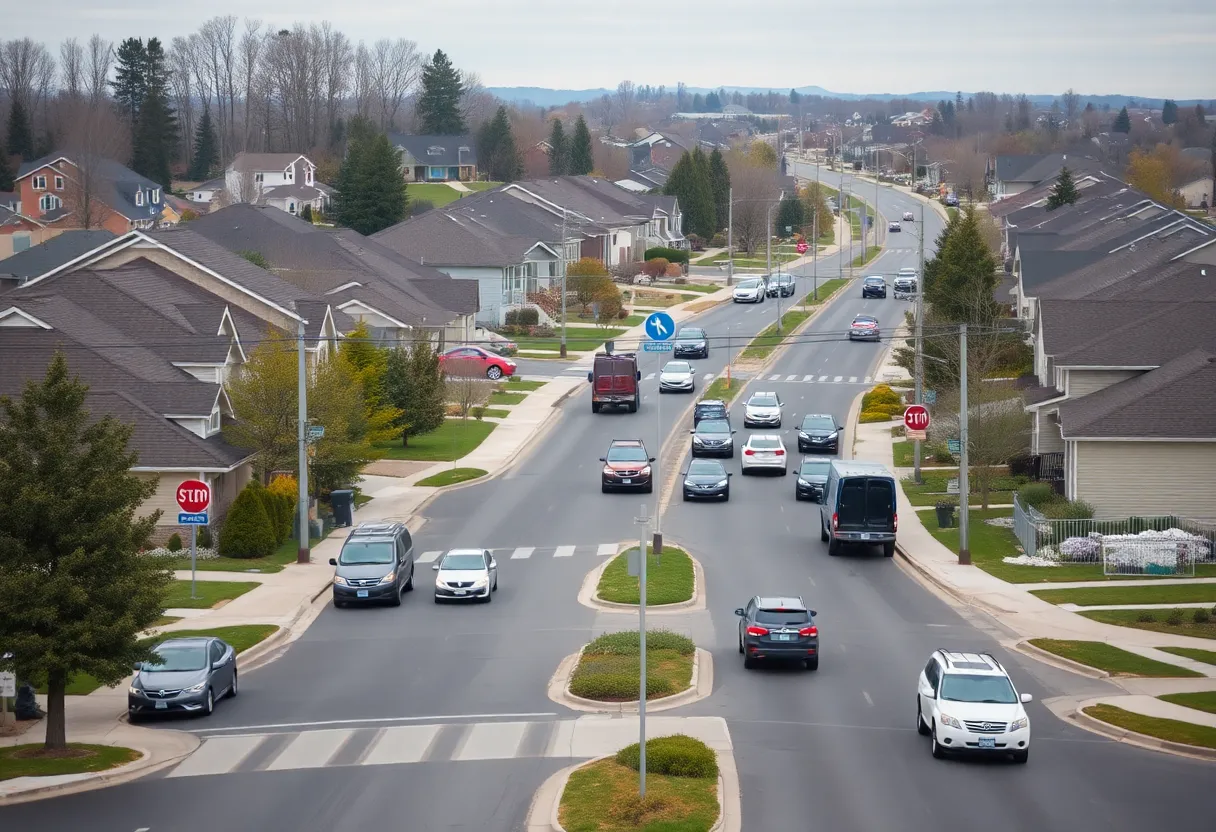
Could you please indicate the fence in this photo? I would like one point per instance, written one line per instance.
(1157, 545)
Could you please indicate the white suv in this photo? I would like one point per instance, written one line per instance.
(967, 702)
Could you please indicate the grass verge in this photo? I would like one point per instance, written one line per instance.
(577, 338)
(603, 797)
(451, 477)
(209, 593)
(700, 288)
(669, 579)
(494, 413)
(499, 397)
(724, 389)
(1203, 701)
(826, 289)
(1158, 621)
(481, 186)
(1114, 661)
(451, 440)
(1205, 656)
(609, 669)
(1114, 595)
(865, 257)
(1172, 730)
(435, 193)
(768, 340)
(518, 385)
(32, 760)
(274, 562)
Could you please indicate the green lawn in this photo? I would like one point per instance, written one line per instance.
(768, 339)
(951, 212)
(435, 193)
(702, 288)
(610, 668)
(452, 440)
(870, 253)
(669, 579)
(1203, 701)
(1114, 661)
(603, 797)
(482, 186)
(492, 413)
(451, 477)
(1117, 595)
(1167, 729)
(498, 397)
(1156, 621)
(826, 289)
(934, 483)
(516, 384)
(724, 389)
(31, 761)
(655, 300)
(632, 320)
(903, 452)
(284, 554)
(579, 338)
(209, 593)
(1205, 656)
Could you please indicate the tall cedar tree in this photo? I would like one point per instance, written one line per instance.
(438, 106)
(966, 276)
(559, 150)
(933, 266)
(689, 183)
(791, 214)
(1123, 122)
(20, 132)
(719, 180)
(75, 591)
(413, 385)
(6, 171)
(582, 160)
(130, 76)
(206, 150)
(1064, 192)
(154, 140)
(371, 193)
(497, 154)
(1169, 112)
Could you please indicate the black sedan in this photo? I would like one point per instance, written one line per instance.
(706, 479)
(874, 286)
(778, 627)
(713, 437)
(709, 409)
(691, 342)
(780, 286)
(189, 675)
(818, 433)
(812, 479)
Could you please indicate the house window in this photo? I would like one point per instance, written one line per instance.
(215, 420)
(139, 197)
(257, 177)
(39, 183)
(434, 150)
(308, 177)
(289, 174)
(59, 183)
(291, 207)
(156, 197)
(21, 241)
(49, 202)
(437, 172)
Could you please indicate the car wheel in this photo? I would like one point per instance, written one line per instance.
(495, 589)
(823, 531)
(731, 455)
(633, 407)
(785, 472)
(934, 747)
(726, 496)
(812, 664)
(649, 488)
(888, 549)
(494, 373)
(595, 407)
(395, 601)
(603, 488)
(748, 662)
(833, 546)
(685, 496)
(489, 596)
(209, 705)
(339, 604)
(921, 727)
(438, 600)
(740, 645)
(1021, 756)
(797, 496)
(409, 585)
(232, 691)
(133, 718)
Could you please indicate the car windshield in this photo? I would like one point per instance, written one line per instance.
(782, 617)
(818, 423)
(677, 367)
(627, 454)
(689, 334)
(714, 426)
(706, 468)
(358, 551)
(765, 444)
(467, 560)
(763, 401)
(969, 687)
(864, 321)
(750, 283)
(874, 280)
(178, 657)
(815, 468)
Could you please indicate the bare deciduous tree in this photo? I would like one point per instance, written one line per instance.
(94, 137)
(755, 189)
(467, 388)
(249, 59)
(27, 72)
(998, 428)
(626, 95)
(393, 68)
(71, 67)
(97, 68)
(1072, 106)
(181, 80)
(476, 105)
(336, 57)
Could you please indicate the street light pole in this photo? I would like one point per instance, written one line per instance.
(730, 237)
(768, 255)
(563, 262)
(920, 354)
(303, 553)
(964, 488)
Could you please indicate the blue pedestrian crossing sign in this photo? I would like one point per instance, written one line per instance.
(660, 327)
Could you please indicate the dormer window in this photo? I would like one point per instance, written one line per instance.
(156, 197)
(308, 176)
(39, 183)
(257, 177)
(139, 197)
(434, 150)
(216, 421)
(290, 173)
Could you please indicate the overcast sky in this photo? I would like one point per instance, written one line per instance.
(1160, 48)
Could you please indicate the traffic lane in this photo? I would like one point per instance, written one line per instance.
(484, 795)
(540, 367)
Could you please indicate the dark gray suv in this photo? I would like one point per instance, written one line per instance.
(376, 565)
(778, 627)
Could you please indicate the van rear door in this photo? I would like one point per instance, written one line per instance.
(866, 504)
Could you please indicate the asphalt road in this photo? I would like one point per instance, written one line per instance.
(832, 750)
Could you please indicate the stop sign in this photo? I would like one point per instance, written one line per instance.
(916, 417)
(802, 247)
(193, 496)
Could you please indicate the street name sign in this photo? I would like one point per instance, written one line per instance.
(8, 684)
(657, 346)
(316, 432)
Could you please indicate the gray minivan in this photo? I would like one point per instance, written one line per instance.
(858, 506)
(376, 564)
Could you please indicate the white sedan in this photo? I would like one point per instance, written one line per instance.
(466, 575)
(765, 451)
(676, 377)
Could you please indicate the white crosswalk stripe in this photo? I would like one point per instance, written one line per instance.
(838, 378)
(606, 549)
(491, 741)
(217, 756)
(312, 749)
(582, 550)
(852, 380)
(787, 378)
(564, 552)
(708, 377)
(429, 557)
(867, 380)
(523, 553)
(821, 378)
(401, 744)
(774, 377)
(649, 376)
(804, 378)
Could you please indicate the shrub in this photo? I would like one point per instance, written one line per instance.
(285, 490)
(679, 279)
(942, 455)
(1174, 619)
(276, 511)
(627, 643)
(175, 543)
(671, 255)
(247, 528)
(675, 270)
(1146, 617)
(420, 206)
(1200, 616)
(527, 316)
(622, 313)
(718, 240)
(204, 537)
(1068, 510)
(696, 242)
(619, 682)
(544, 331)
(868, 416)
(677, 756)
(884, 396)
(452, 410)
(655, 268)
(1037, 495)
(478, 412)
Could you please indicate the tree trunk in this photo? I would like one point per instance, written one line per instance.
(56, 721)
(405, 438)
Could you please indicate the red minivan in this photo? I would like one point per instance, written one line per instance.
(614, 381)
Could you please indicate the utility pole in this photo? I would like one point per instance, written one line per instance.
(919, 367)
(303, 553)
(730, 236)
(964, 549)
(645, 523)
(563, 262)
(815, 250)
(768, 255)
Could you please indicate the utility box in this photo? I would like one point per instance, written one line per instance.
(343, 503)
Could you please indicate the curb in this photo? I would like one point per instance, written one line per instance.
(1027, 649)
(588, 598)
(1146, 741)
(700, 686)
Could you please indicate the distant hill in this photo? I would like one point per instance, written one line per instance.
(542, 97)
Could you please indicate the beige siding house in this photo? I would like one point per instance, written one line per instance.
(1167, 477)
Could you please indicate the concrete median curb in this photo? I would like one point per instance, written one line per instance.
(700, 686)
(1047, 657)
(1097, 726)
(588, 598)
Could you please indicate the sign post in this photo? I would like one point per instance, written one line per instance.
(660, 330)
(193, 498)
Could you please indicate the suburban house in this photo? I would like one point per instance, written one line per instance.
(18, 232)
(40, 259)
(661, 150)
(1197, 192)
(436, 158)
(913, 118)
(286, 181)
(206, 193)
(1011, 175)
(61, 193)
(398, 297)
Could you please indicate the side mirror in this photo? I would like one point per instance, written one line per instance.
(639, 375)
(333, 561)
(812, 613)
(692, 431)
(1026, 697)
(652, 459)
(493, 563)
(138, 666)
(603, 459)
(739, 612)
(435, 567)
(589, 376)
(733, 431)
(729, 475)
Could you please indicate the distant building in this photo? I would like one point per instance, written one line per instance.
(436, 158)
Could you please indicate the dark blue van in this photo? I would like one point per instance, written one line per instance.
(858, 507)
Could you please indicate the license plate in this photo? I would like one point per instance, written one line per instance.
(362, 593)
(782, 637)
(627, 482)
(462, 592)
(865, 536)
(987, 742)
(162, 706)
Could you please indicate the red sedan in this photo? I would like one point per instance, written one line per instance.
(475, 361)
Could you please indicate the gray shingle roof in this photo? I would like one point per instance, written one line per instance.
(160, 442)
(254, 162)
(1175, 401)
(117, 185)
(1102, 278)
(1039, 394)
(455, 238)
(449, 149)
(1037, 167)
(1042, 267)
(63, 248)
(1127, 333)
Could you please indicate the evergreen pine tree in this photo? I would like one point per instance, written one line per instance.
(20, 132)
(1123, 122)
(371, 194)
(206, 153)
(1064, 192)
(719, 180)
(438, 106)
(705, 221)
(154, 140)
(713, 103)
(559, 150)
(1169, 112)
(582, 160)
(496, 151)
(965, 276)
(6, 171)
(130, 76)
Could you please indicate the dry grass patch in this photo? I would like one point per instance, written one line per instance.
(603, 797)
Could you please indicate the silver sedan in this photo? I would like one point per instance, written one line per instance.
(676, 377)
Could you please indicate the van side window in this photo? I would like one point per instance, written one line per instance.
(406, 541)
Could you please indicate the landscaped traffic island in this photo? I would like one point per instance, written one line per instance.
(34, 760)
(670, 579)
(681, 790)
(609, 668)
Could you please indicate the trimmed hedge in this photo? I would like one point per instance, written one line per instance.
(247, 528)
(527, 316)
(676, 756)
(671, 255)
(868, 416)
(175, 543)
(610, 666)
(1037, 495)
(882, 397)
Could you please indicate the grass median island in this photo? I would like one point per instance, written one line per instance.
(609, 669)
(209, 593)
(1180, 621)
(1202, 701)
(826, 289)
(1172, 730)
(769, 339)
(681, 790)
(869, 254)
(451, 477)
(1205, 656)
(577, 338)
(724, 389)
(669, 579)
(451, 440)
(1113, 660)
(1115, 595)
(33, 760)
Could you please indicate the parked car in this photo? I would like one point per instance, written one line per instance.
(858, 507)
(765, 452)
(819, 432)
(812, 477)
(705, 479)
(749, 290)
(909, 217)
(713, 437)
(627, 467)
(952, 200)
(614, 381)
(780, 285)
(677, 377)
(476, 361)
(966, 702)
(864, 326)
(873, 286)
(778, 627)
(691, 342)
(894, 227)
(762, 410)
(466, 575)
(189, 676)
(376, 564)
(709, 409)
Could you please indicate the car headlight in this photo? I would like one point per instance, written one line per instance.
(696, 440)
(607, 470)
(480, 582)
(134, 691)
(1019, 724)
(803, 435)
(721, 484)
(389, 578)
(339, 580)
(834, 434)
(951, 721)
(196, 688)
(801, 481)
(645, 472)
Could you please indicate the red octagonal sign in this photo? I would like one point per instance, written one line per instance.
(194, 496)
(916, 417)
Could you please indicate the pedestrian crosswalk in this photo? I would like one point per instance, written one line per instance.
(526, 552)
(797, 378)
(705, 377)
(378, 745)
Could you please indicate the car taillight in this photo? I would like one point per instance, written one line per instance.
(757, 631)
(835, 521)
(895, 519)
(749, 452)
(779, 452)
(809, 631)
